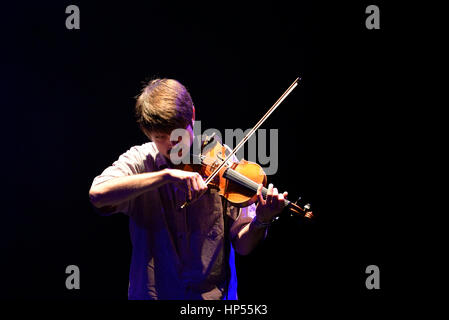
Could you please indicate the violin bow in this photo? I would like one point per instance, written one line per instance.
(251, 132)
(254, 129)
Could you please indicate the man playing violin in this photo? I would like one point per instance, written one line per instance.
(178, 253)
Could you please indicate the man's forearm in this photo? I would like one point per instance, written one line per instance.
(118, 190)
(248, 238)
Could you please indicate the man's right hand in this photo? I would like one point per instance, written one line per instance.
(191, 183)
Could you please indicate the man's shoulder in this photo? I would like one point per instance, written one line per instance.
(140, 154)
(146, 149)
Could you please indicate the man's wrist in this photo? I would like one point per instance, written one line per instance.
(259, 224)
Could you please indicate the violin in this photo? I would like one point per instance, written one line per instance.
(237, 182)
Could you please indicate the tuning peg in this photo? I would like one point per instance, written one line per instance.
(296, 202)
(309, 213)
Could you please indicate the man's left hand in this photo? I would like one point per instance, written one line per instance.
(268, 208)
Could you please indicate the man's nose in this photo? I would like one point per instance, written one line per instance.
(174, 142)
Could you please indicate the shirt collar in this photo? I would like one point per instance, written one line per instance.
(161, 162)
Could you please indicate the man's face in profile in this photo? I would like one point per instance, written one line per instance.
(177, 142)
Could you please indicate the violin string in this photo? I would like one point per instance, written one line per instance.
(246, 182)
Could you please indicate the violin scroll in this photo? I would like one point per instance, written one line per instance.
(302, 211)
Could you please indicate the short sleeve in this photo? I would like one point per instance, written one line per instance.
(129, 163)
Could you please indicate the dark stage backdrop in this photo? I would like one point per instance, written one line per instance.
(67, 104)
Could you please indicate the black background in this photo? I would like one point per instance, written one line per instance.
(67, 103)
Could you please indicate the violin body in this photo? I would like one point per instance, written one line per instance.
(238, 195)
